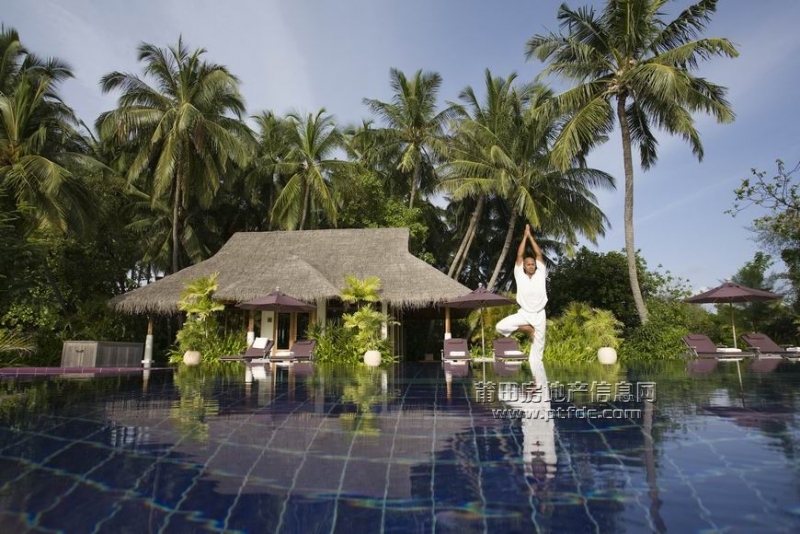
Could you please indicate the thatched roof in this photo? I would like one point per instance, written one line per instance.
(306, 265)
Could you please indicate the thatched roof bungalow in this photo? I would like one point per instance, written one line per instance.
(308, 265)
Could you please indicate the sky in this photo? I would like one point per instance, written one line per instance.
(305, 55)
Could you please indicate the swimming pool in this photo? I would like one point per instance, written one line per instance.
(413, 448)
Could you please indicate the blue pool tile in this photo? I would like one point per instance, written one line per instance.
(411, 455)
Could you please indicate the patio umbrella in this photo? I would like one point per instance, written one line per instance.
(480, 298)
(276, 302)
(730, 292)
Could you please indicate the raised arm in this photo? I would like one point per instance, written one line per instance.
(521, 249)
(535, 245)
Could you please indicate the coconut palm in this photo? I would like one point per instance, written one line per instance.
(633, 66)
(41, 150)
(313, 140)
(468, 145)
(11, 56)
(413, 124)
(151, 221)
(262, 181)
(186, 129)
(508, 155)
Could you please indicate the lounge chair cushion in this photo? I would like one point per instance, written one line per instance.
(457, 353)
(260, 343)
(513, 353)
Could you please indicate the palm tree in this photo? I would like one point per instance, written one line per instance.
(508, 156)
(186, 129)
(632, 65)
(467, 148)
(40, 147)
(11, 56)
(151, 221)
(413, 124)
(313, 140)
(262, 180)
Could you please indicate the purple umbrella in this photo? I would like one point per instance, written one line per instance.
(730, 292)
(278, 302)
(480, 298)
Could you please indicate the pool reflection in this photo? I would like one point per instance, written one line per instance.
(408, 447)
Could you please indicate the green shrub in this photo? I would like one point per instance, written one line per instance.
(367, 322)
(335, 343)
(201, 330)
(579, 332)
(670, 320)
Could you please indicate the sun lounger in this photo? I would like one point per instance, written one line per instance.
(507, 348)
(701, 346)
(455, 350)
(763, 345)
(260, 349)
(302, 351)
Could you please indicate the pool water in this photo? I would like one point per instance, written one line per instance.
(411, 448)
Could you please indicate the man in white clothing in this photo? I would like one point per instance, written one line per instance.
(530, 276)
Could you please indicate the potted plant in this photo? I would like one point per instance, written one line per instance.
(366, 320)
(200, 325)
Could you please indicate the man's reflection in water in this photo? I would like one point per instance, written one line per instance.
(538, 444)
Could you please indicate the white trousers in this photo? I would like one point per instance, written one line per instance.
(538, 320)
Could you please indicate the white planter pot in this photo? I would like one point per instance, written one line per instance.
(191, 357)
(372, 358)
(607, 355)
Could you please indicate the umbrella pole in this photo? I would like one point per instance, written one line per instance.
(733, 325)
(483, 343)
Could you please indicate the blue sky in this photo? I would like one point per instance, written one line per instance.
(293, 55)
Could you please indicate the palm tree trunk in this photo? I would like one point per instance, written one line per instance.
(466, 254)
(305, 207)
(630, 249)
(457, 258)
(414, 180)
(466, 241)
(176, 208)
(506, 246)
(48, 274)
(273, 187)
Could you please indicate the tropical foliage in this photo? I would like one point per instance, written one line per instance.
(201, 331)
(579, 332)
(176, 138)
(633, 67)
(602, 281)
(173, 170)
(366, 321)
(779, 229)
(335, 344)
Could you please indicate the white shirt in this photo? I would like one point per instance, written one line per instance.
(531, 291)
